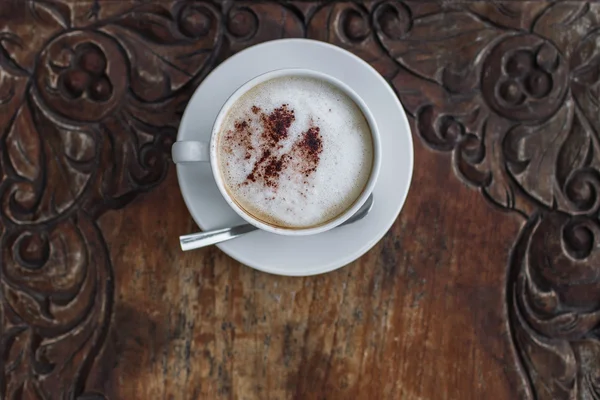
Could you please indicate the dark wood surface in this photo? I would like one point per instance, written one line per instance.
(486, 287)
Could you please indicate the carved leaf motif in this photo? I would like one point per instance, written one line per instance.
(136, 153)
(562, 146)
(532, 150)
(60, 286)
(24, 146)
(507, 15)
(576, 18)
(51, 12)
(49, 19)
(155, 25)
(459, 127)
(167, 45)
(585, 79)
(553, 305)
(429, 48)
(576, 151)
(39, 151)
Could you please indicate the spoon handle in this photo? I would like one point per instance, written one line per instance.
(202, 239)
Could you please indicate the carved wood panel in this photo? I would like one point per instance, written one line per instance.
(91, 93)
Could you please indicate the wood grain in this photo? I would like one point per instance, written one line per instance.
(485, 287)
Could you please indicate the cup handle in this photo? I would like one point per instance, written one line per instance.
(190, 151)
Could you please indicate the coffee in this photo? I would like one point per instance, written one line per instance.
(295, 152)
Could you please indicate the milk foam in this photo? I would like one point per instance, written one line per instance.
(298, 197)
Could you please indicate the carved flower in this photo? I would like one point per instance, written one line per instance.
(89, 108)
(89, 105)
(86, 75)
(512, 91)
(528, 91)
(96, 98)
(524, 78)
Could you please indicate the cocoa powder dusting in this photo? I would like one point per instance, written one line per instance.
(312, 143)
(242, 137)
(239, 126)
(308, 150)
(271, 161)
(276, 124)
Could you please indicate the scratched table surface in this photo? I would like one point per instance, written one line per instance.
(486, 287)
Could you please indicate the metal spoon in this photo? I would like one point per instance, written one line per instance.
(203, 239)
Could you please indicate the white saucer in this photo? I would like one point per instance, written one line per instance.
(304, 255)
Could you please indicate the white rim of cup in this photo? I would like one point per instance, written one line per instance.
(303, 73)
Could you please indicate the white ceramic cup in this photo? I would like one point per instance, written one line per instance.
(196, 151)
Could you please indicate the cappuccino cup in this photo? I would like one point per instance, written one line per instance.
(292, 151)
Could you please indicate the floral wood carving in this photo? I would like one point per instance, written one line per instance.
(90, 101)
(519, 112)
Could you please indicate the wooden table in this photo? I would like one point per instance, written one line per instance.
(486, 287)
